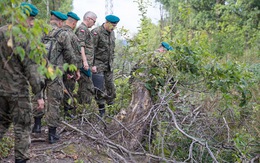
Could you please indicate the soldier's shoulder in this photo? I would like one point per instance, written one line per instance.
(96, 28)
(82, 26)
(81, 30)
(62, 31)
(55, 31)
(95, 31)
(60, 34)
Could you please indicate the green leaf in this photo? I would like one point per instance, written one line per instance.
(20, 51)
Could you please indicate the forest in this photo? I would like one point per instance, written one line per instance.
(197, 103)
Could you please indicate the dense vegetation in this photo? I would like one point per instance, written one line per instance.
(216, 66)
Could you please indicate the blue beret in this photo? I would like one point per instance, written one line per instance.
(112, 19)
(28, 8)
(73, 15)
(167, 46)
(59, 15)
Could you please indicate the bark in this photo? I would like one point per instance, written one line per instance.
(137, 117)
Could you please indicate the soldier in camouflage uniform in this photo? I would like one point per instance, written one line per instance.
(68, 78)
(104, 46)
(62, 53)
(86, 87)
(142, 63)
(15, 102)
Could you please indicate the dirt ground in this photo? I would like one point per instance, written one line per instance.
(73, 146)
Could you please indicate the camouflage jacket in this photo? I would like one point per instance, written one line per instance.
(63, 52)
(86, 41)
(104, 46)
(74, 42)
(15, 73)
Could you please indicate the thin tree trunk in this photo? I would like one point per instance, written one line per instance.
(48, 7)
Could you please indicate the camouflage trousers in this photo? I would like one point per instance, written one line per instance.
(107, 93)
(85, 90)
(54, 93)
(17, 110)
(70, 86)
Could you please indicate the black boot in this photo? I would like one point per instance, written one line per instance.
(67, 114)
(101, 109)
(53, 138)
(20, 161)
(37, 125)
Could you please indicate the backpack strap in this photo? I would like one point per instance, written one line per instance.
(55, 36)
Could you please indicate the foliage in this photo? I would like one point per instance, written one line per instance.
(20, 33)
(5, 146)
(45, 6)
(231, 26)
(215, 60)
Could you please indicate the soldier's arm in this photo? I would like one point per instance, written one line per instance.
(89, 47)
(113, 53)
(77, 48)
(36, 80)
(67, 49)
(81, 34)
(95, 42)
(95, 38)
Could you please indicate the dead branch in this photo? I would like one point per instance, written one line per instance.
(114, 146)
(205, 144)
(228, 129)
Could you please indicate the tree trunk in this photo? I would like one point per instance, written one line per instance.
(137, 117)
(47, 7)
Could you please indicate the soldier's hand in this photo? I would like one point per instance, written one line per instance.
(69, 76)
(85, 65)
(40, 104)
(94, 69)
(77, 75)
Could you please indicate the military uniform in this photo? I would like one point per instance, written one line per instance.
(104, 43)
(142, 64)
(70, 83)
(86, 87)
(55, 88)
(15, 102)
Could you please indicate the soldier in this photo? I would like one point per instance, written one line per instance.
(163, 48)
(15, 104)
(86, 87)
(104, 46)
(61, 53)
(68, 78)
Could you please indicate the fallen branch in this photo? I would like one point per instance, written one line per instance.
(191, 137)
(115, 146)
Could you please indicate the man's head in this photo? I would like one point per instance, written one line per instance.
(89, 19)
(165, 47)
(58, 18)
(31, 11)
(111, 22)
(72, 20)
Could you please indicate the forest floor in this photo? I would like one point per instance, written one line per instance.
(73, 146)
